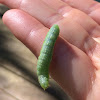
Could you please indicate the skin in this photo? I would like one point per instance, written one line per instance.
(75, 64)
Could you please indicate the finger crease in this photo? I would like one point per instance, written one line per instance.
(93, 30)
(54, 18)
(64, 9)
(94, 6)
(20, 4)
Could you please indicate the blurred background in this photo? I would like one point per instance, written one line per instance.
(98, 0)
(18, 79)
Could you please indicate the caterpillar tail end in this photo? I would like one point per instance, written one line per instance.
(44, 82)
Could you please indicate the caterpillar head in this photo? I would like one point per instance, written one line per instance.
(44, 82)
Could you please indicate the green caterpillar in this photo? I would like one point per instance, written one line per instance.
(46, 55)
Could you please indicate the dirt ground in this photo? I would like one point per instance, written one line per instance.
(18, 79)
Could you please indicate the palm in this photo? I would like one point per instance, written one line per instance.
(94, 55)
(78, 69)
(75, 64)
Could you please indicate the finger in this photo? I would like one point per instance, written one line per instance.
(26, 28)
(85, 21)
(83, 5)
(64, 9)
(66, 56)
(49, 17)
(93, 51)
(75, 63)
(37, 9)
(91, 7)
(58, 5)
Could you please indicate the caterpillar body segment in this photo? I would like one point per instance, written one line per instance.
(46, 56)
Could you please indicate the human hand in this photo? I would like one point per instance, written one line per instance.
(75, 63)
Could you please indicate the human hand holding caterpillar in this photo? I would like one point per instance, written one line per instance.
(75, 64)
